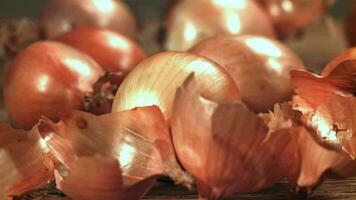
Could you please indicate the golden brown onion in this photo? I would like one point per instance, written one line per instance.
(290, 15)
(155, 80)
(61, 16)
(192, 21)
(227, 148)
(259, 66)
(131, 148)
(27, 155)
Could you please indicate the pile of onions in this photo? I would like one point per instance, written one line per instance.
(61, 16)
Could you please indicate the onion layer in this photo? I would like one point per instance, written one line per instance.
(259, 66)
(47, 78)
(61, 16)
(155, 80)
(192, 21)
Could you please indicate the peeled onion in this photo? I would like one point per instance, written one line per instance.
(155, 80)
(290, 15)
(192, 21)
(259, 66)
(47, 78)
(61, 16)
(112, 51)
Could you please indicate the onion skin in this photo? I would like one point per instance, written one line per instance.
(335, 66)
(47, 78)
(155, 80)
(350, 26)
(111, 50)
(290, 15)
(61, 16)
(259, 66)
(192, 21)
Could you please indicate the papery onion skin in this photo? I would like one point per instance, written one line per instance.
(61, 16)
(235, 153)
(350, 26)
(47, 78)
(259, 66)
(192, 21)
(290, 15)
(155, 80)
(111, 50)
(334, 67)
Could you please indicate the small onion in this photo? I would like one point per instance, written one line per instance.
(61, 16)
(47, 78)
(112, 156)
(350, 26)
(155, 80)
(192, 21)
(290, 15)
(25, 163)
(112, 51)
(259, 66)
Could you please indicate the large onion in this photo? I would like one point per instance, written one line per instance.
(61, 16)
(192, 21)
(111, 50)
(259, 66)
(290, 15)
(47, 78)
(155, 80)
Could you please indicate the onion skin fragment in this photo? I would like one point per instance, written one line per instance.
(235, 153)
(135, 142)
(259, 66)
(47, 78)
(26, 151)
(9, 174)
(61, 16)
(344, 64)
(155, 80)
(112, 51)
(192, 21)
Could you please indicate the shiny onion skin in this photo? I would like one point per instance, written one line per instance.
(259, 66)
(25, 163)
(351, 26)
(155, 80)
(227, 148)
(192, 21)
(111, 50)
(129, 150)
(290, 15)
(335, 66)
(61, 16)
(47, 78)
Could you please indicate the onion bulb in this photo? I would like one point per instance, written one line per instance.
(290, 15)
(227, 148)
(61, 16)
(112, 156)
(111, 50)
(155, 80)
(259, 66)
(47, 78)
(192, 21)
(25, 162)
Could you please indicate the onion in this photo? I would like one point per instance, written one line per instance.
(350, 25)
(126, 152)
(112, 51)
(227, 148)
(61, 16)
(47, 78)
(192, 21)
(25, 163)
(259, 66)
(155, 80)
(290, 15)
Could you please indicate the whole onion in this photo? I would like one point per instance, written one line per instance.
(47, 78)
(111, 50)
(61, 16)
(192, 21)
(259, 66)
